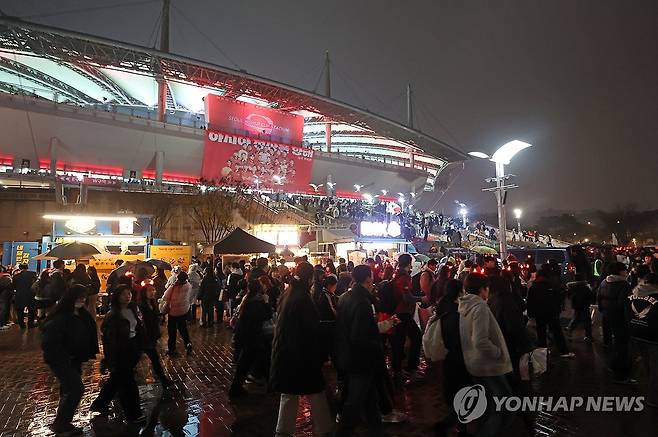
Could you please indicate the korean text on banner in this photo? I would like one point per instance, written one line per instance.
(230, 159)
(175, 255)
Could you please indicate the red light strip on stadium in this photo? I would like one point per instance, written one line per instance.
(172, 177)
(44, 164)
(6, 160)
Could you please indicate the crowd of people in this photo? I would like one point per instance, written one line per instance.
(366, 322)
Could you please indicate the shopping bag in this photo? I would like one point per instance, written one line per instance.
(433, 345)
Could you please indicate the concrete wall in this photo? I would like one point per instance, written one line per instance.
(87, 136)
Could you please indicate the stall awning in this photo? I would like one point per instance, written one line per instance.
(337, 236)
(240, 242)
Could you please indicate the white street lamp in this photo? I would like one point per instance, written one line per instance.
(502, 157)
(517, 215)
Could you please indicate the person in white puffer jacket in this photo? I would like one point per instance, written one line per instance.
(485, 352)
(178, 298)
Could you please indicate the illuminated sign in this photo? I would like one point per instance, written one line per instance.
(253, 120)
(80, 225)
(380, 229)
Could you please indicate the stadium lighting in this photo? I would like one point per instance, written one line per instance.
(517, 214)
(116, 218)
(502, 157)
(384, 192)
(357, 187)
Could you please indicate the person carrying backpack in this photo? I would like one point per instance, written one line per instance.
(642, 310)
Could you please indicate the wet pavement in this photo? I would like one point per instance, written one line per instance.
(198, 404)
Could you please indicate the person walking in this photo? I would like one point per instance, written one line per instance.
(407, 328)
(208, 295)
(68, 339)
(581, 298)
(544, 306)
(455, 375)
(148, 307)
(178, 298)
(249, 336)
(6, 291)
(94, 289)
(485, 352)
(194, 278)
(613, 298)
(123, 337)
(359, 355)
(25, 296)
(642, 311)
(297, 356)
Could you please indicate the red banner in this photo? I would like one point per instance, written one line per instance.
(230, 159)
(252, 120)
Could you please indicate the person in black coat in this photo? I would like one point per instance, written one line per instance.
(208, 295)
(69, 338)
(25, 296)
(613, 299)
(297, 355)
(123, 339)
(509, 316)
(94, 289)
(148, 307)
(359, 354)
(581, 298)
(249, 336)
(455, 375)
(544, 306)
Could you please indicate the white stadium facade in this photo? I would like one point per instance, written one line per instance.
(84, 105)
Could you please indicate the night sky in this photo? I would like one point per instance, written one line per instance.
(579, 80)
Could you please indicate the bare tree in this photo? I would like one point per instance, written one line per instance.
(212, 212)
(161, 208)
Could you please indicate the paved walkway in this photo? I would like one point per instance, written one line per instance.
(198, 404)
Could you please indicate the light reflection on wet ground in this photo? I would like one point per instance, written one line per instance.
(198, 404)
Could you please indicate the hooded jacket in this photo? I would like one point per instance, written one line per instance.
(483, 344)
(581, 294)
(613, 292)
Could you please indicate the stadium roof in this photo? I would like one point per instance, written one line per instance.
(90, 58)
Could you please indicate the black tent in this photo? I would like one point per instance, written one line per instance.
(239, 242)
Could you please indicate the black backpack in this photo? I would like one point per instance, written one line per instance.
(644, 317)
(386, 295)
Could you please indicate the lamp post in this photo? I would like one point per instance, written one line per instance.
(500, 158)
(517, 215)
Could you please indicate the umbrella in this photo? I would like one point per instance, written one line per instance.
(421, 258)
(44, 257)
(134, 266)
(75, 250)
(484, 250)
(160, 264)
